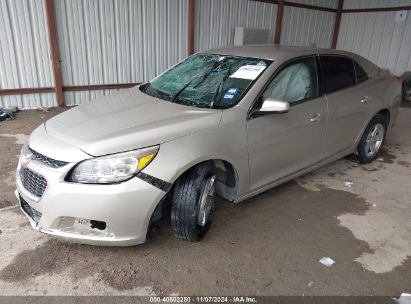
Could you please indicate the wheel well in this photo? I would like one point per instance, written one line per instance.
(386, 114)
(227, 187)
(227, 178)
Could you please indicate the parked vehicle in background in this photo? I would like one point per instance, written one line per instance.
(231, 122)
(406, 86)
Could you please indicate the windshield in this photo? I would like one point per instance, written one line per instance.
(207, 80)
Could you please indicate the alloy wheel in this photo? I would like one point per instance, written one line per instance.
(374, 140)
(207, 199)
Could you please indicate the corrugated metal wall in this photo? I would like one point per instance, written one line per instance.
(376, 35)
(24, 52)
(217, 19)
(306, 27)
(118, 41)
(121, 41)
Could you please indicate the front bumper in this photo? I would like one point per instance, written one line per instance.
(66, 209)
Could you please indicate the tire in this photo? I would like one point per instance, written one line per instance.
(372, 140)
(191, 215)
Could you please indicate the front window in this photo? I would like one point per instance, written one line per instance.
(294, 83)
(207, 80)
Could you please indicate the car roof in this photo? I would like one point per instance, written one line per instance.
(273, 51)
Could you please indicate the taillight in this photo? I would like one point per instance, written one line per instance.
(399, 79)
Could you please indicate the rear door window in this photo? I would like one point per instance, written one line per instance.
(360, 73)
(339, 72)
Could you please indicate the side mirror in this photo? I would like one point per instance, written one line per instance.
(274, 106)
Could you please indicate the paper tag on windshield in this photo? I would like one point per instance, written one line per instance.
(250, 72)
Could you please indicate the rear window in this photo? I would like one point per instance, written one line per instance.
(360, 73)
(339, 72)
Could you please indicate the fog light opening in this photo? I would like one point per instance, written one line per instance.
(98, 225)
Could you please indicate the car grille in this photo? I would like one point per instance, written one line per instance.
(36, 156)
(34, 214)
(33, 182)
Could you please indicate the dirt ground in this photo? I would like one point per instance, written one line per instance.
(267, 245)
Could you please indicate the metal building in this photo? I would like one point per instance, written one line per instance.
(65, 52)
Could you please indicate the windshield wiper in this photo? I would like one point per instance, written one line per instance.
(204, 76)
(220, 87)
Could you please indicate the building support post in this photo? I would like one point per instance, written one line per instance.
(55, 60)
(191, 26)
(337, 23)
(279, 21)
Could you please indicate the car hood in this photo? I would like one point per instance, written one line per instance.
(128, 120)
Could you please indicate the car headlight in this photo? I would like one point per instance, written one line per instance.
(113, 168)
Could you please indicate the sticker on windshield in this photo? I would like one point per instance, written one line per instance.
(232, 91)
(250, 72)
(228, 96)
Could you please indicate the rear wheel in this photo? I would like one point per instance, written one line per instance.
(372, 140)
(193, 203)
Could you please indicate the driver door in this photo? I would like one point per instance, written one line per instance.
(283, 144)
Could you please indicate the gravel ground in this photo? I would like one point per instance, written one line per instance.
(267, 245)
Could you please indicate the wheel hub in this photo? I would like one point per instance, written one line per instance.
(374, 140)
(206, 201)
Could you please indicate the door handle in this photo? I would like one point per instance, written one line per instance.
(365, 99)
(315, 118)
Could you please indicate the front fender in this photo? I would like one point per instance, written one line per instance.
(227, 142)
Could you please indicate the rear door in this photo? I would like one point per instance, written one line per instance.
(348, 108)
(283, 144)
